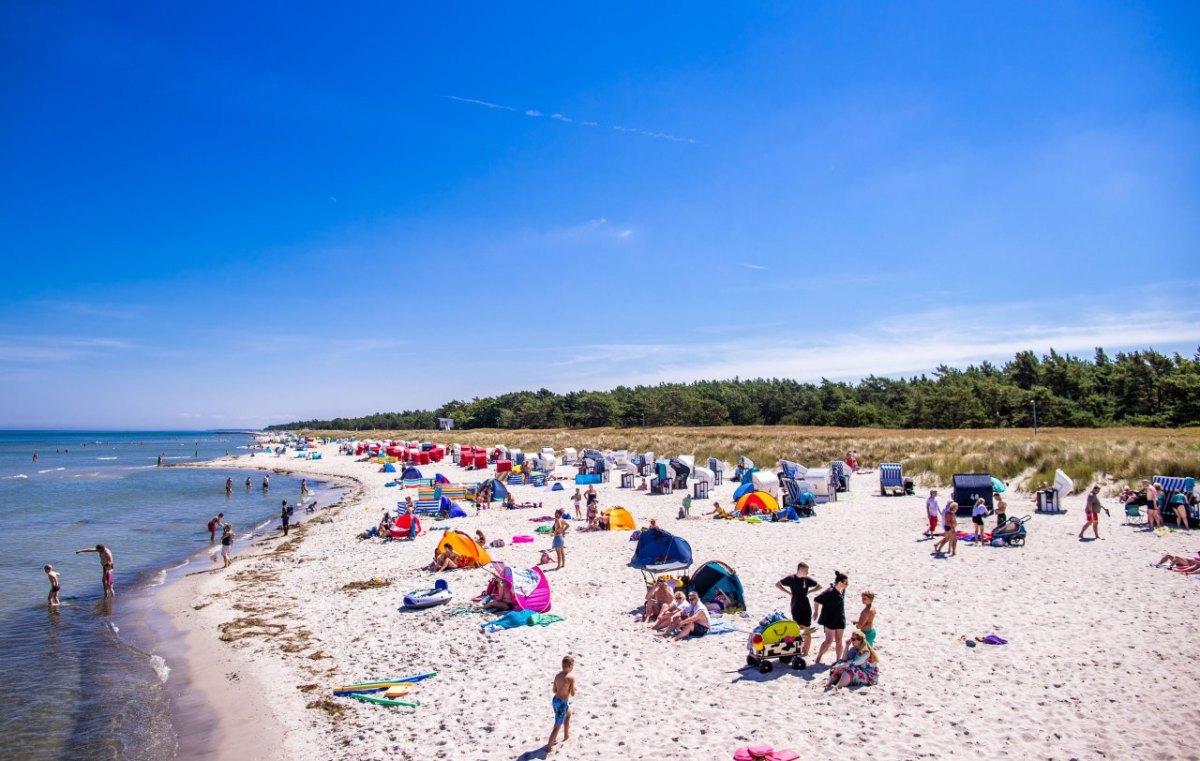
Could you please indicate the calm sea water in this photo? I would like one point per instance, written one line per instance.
(89, 680)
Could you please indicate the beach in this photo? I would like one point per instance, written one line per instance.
(1095, 636)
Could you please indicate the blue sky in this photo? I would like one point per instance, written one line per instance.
(231, 214)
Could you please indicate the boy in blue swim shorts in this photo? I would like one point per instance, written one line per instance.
(564, 690)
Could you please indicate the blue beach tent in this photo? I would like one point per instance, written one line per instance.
(660, 550)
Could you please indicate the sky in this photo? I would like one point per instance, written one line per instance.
(229, 215)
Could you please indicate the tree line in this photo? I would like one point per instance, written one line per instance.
(1138, 388)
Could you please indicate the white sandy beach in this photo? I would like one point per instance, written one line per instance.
(1097, 639)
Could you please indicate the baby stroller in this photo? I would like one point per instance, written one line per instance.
(776, 637)
(1014, 536)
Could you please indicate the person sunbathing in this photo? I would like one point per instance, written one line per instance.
(1180, 563)
(447, 559)
(693, 620)
(658, 596)
(668, 614)
(509, 502)
(503, 600)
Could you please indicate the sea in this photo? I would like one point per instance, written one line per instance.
(96, 678)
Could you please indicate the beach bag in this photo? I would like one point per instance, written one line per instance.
(497, 543)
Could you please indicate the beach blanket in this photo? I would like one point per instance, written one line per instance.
(721, 626)
(517, 618)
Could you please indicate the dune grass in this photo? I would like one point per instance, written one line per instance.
(1112, 456)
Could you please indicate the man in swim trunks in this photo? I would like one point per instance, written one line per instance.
(106, 567)
(695, 618)
(212, 526)
(52, 574)
(933, 511)
(564, 690)
(559, 543)
(1091, 512)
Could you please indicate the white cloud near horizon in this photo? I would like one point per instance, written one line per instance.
(47, 349)
(753, 266)
(533, 112)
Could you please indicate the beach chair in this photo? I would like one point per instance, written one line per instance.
(1133, 514)
(1173, 486)
(718, 469)
(891, 478)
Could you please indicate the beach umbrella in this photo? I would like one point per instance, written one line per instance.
(759, 501)
(998, 485)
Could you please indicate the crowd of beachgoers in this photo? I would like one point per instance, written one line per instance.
(533, 578)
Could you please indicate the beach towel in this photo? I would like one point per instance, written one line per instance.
(992, 639)
(721, 626)
(517, 618)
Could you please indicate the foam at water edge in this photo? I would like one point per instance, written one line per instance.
(160, 667)
(9, 478)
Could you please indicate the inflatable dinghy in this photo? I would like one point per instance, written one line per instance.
(427, 598)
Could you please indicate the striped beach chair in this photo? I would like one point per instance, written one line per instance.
(429, 501)
(891, 478)
(537, 478)
(1173, 486)
(516, 479)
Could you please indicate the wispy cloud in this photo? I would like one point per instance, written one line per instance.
(47, 349)
(483, 103)
(536, 113)
(88, 309)
(903, 345)
(753, 266)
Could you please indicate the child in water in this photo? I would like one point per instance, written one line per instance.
(52, 574)
(564, 690)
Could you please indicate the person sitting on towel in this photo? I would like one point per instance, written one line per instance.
(509, 502)
(668, 614)
(693, 619)
(643, 486)
(593, 511)
(503, 600)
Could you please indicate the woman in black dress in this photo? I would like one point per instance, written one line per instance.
(831, 614)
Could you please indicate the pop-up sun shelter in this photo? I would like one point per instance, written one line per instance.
(757, 502)
(411, 474)
(620, 519)
(499, 490)
(660, 551)
(465, 546)
(715, 576)
(529, 588)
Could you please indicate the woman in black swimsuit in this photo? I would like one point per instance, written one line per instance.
(831, 614)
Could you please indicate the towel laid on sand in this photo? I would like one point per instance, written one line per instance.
(517, 618)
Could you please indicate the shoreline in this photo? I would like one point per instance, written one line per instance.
(224, 684)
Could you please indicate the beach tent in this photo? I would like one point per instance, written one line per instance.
(757, 502)
(451, 508)
(620, 519)
(499, 490)
(389, 467)
(411, 474)
(530, 588)
(440, 479)
(741, 491)
(465, 546)
(557, 487)
(659, 550)
(715, 576)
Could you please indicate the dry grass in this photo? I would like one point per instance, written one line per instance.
(368, 584)
(932, 456)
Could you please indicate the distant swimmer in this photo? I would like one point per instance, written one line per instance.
(52, 574)
(229, 486)
(35, 456)
(266, 483)
(247, 483)
(160, 461)
(106, 567)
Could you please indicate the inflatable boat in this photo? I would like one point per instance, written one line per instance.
(427, 598)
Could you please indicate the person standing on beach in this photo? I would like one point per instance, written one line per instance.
(1091, 511)
(229, 486)
(212, 527)
(577, 497)
(978, 513)
(950, 522)
(559, 543)
(285, 516)
(933, 512)
(831, 614)
(1001, 509)
(106, 567)
(52, 599)
(564, 690)
(227, 544)
(800, 586)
